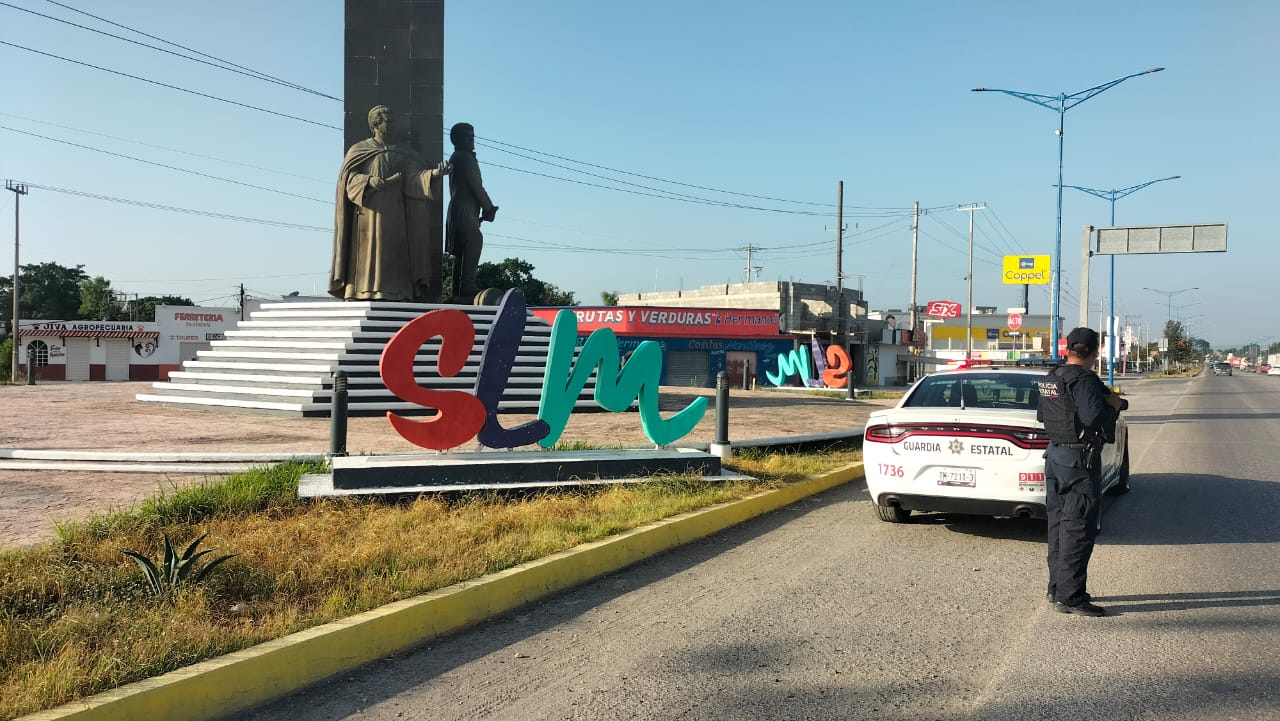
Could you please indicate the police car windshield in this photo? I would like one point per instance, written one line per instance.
(976, 390)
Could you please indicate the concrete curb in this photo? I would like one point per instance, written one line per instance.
(245, 679)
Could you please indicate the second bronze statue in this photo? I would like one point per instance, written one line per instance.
(469, 205)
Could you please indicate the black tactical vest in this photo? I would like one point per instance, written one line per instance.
(1057, 407)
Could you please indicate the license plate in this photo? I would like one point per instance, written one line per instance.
(962, 477)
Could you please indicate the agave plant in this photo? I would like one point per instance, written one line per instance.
(175, 570)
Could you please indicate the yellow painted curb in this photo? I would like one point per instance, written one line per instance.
(244, 679)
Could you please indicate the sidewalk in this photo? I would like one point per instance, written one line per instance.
(105, 417)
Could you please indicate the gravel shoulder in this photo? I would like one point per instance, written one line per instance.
(105, 416)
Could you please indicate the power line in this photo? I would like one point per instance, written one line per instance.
(166, 148)
(254, 75)
(175, 209)
(646, 177)
(656, 195)
(228, 63)
(163, 165)
(171, 87)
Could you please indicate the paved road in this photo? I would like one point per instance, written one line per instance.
(820, 612)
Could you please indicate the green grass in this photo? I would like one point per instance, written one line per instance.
(77, 618)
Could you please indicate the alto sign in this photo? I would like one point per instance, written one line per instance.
(1026, 269)
(943, 309)
(1015, 321)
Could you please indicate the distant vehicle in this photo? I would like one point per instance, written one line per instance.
(1273, 371)
(1264, 368)
(968, 441)
(1222, 369)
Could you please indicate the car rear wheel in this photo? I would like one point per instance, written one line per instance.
(892, 514)
(1122, 481)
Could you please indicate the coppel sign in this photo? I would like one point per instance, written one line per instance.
(462, 415)
(1026, 269)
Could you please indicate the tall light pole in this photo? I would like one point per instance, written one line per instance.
(1168, 294)
(968, 348)
(18, 190)
(1113, 196)
(1061, 103)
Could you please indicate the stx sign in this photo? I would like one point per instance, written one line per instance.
(943, 309)
(461, 416)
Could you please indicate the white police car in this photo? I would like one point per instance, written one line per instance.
(967, 441)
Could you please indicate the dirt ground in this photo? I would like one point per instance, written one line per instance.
(105, 416)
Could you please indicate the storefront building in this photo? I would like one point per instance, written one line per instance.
(91, 350)
(697, 343)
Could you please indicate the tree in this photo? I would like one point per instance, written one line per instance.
(98, 301)
(609, 297)
(516, 273)
(144, 308)
(48, 292)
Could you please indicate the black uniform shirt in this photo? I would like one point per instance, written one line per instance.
(1090, 396)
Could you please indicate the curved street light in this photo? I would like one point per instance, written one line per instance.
(1113, 196)
(1061, 103)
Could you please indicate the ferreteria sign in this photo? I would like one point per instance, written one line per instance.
(461, 415)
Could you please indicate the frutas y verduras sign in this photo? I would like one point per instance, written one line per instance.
(462, 416)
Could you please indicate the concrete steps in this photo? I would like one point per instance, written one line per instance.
(283, 358)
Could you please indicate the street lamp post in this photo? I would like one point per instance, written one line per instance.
(968, 348)
(1061, 103)
(1168, 294)
(1113, 196)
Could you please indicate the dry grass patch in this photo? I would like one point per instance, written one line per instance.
(77, 616)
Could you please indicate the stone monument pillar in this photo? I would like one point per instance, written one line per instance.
(394, 56)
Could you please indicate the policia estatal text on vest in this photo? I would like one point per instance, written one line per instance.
(1079, 413)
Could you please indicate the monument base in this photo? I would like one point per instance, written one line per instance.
(412, 473)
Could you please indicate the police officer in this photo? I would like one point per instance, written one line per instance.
(1079, 413)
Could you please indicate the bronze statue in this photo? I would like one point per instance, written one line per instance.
(469, 205)
(380, 239)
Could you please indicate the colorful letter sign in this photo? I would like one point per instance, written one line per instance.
(1026, 269)
(789, 364)
(461, 416)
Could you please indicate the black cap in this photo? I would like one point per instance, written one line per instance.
(1083, 341)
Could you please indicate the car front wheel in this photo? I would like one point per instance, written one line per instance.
(1122, 481)
(892, 514)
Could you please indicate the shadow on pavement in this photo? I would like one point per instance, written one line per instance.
(1147, 603)
(1181, 509)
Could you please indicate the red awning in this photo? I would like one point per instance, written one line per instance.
(59, 333)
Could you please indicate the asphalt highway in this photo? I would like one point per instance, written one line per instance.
(819, 611)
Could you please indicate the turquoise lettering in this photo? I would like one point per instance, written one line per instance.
(789, 364)
(616, 385)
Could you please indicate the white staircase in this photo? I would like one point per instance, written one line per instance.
(283, 358)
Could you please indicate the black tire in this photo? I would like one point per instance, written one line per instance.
(1122, 483)
(892, 514)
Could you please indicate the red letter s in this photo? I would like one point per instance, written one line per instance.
(460, 415)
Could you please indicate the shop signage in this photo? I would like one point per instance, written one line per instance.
(690, 322)
(943, 309)
(1026, 269)
(93, 326)
(463, 415)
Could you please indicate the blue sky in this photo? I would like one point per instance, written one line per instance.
(768, 99)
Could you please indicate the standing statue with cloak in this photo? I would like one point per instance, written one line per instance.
(381, 245)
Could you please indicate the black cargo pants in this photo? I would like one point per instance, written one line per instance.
(1072, 504)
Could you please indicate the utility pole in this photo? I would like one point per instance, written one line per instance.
(242, 301)
(18, 190)
(839, 261)
(968, 349)
(749, 248)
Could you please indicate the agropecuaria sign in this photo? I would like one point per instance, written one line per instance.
(463, 415)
